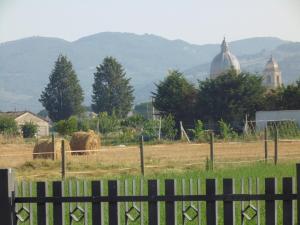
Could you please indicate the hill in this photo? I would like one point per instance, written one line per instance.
(26, 64)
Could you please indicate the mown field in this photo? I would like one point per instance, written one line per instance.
(174, 158)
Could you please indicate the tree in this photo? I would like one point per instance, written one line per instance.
(230, 97)
(29, 129)
(168, 127)
(8, 125)
(291, 96)
(273, 99)
(176, 96)
(283, 98)
(112, 91)
(63, 95)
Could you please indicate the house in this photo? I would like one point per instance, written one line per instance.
(21, 117)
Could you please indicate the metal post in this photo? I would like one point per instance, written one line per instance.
(159, 129)
(63, 161)
(6, 203)
(53, 146)
(276, 147)
(266, 144)
(211, 142)
(142, 154)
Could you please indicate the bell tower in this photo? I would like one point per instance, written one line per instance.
(272, 74)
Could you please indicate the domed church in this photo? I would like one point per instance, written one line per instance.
(272, 74)
(223, 62)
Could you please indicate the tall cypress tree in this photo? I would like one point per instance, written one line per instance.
(112, 92)
(63, 95)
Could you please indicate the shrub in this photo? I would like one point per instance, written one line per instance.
(107, 123)
(168, 127)
(226, 131)
(199, 132)
(83, 124)
(66, 127)
(150, 130)
(29, 129)
(8, 125)
(135, 121)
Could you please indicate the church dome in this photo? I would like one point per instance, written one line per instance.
(224, 61)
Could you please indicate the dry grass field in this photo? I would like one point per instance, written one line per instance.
(172, 158)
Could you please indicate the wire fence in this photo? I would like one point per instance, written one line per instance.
(123, 159)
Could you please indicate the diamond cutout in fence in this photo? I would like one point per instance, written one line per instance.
(250, 212)
(23, 214)
(190, 213)
(77, 214)
(133, 214)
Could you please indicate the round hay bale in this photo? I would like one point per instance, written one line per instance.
(44, 149)
(82, 141)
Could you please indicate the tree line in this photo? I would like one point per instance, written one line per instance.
(63, 95)
(228, 98)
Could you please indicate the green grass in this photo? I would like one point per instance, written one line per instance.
(253, 171)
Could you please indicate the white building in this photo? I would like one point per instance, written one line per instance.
(24, 116)
(272, 74)
(263, 117)
(223, 62)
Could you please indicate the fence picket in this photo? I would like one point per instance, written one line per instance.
(153, 206)
(30, 205)
(270, 213)
(57, 206)
(298, 192)
(41, 207)
(211, 207)
(257, 203)
(96, 207)
(113, 205)
(170, 205)
(228, 188)
(287, 188)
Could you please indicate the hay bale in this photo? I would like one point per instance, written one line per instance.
(81, 141)
(44, 149)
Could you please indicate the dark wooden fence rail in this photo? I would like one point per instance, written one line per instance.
(8, 202)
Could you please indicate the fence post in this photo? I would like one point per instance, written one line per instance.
(113, 211)
(287, 188)
(142, 154)
(211, 205)
(53, 146)
(229, 214)
(211, 142)
(276, 147)
(63, 160)
(270, 212)
(57, 206)
(153, 208)
(170, 205)
(266, 144)
(6, 204)
(298, 191)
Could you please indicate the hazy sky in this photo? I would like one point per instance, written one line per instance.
(195, 21)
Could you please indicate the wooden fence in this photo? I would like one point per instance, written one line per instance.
(14, 208)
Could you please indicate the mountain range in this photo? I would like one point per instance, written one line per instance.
(25, 64)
